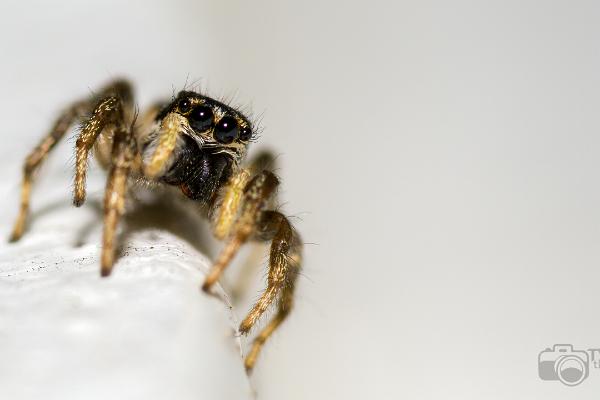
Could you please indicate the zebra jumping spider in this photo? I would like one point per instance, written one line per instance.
(197, 145)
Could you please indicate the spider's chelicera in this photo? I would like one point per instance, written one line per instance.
(197, 145)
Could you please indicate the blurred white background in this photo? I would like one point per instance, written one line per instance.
(441, 155)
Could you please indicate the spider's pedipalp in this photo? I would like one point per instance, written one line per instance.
(158, 154)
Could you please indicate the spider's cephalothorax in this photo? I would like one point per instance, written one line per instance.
(198, 145)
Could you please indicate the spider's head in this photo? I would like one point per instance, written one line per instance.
(195, 143)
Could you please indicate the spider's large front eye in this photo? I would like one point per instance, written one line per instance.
(201, 118)
(227, 130)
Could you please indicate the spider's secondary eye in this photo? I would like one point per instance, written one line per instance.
(245, 134)
(201, 118)
(227, 130)
(184, 106)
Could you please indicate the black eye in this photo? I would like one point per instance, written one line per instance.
(184, 106)
(227, 130)
(245, 133)
(201, 118)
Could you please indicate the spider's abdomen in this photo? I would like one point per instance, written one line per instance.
(198, 172)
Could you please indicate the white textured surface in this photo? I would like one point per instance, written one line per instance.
(146, 332)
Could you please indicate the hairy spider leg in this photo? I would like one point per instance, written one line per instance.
(285, 254)
(75, 112)
(108, 113)
(253, 199)
(285, 260)
(123, 152)
(225, 211)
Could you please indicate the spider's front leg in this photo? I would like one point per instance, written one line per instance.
(253, 221)
(239, 213)
(284, 266)
(123, 154)
(110, 113)
(227, 210)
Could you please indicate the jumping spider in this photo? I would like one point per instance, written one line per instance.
(197, 145)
